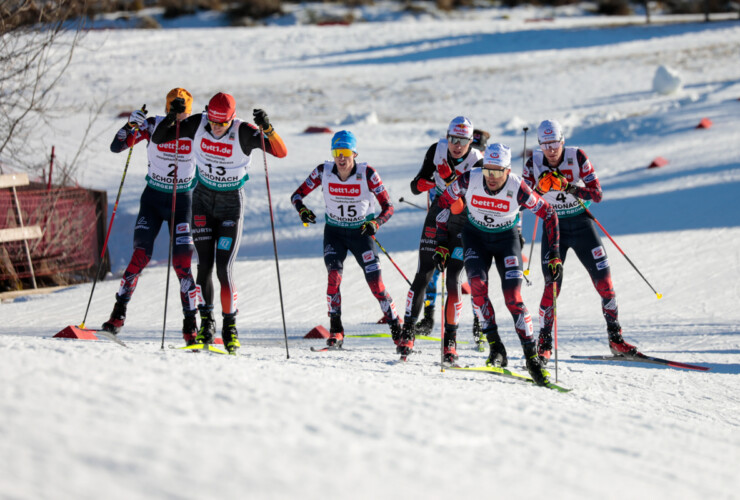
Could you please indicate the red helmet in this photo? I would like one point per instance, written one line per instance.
(221, 108)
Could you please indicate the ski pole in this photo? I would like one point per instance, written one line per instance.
(591, 216)
(442, 325)
(401, 200)
(555, 324)
(274, 242)
(391, 259)
(110, 224)
(172, 228)
(531, 246)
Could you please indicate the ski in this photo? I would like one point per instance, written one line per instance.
(642, 358)
(503, 372)
(386, 335)
(328, 348)
(110, 336)
(203, 347)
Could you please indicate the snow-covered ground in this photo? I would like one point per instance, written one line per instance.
(86, 420)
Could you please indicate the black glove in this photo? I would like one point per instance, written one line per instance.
(261, 119)
(555, 265)
(369, 228)
(177, 106)
(521, 239)
(441, 255)
(307, 216)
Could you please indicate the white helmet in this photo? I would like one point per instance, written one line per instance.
(497, 154)
(460, 127)
(549, 131)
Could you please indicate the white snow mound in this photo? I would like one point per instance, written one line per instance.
(666, 80)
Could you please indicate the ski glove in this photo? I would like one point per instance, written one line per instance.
(552, 181)
(369, 228)
(307, 216)
(445, 172)
(261, 119)
(441, 255)
(177, 106)
(137, 119)
(555, 265)
(521, 239)
(425, 185)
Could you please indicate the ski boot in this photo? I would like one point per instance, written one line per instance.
(229, 334)
(534, 366)
(396, 331)
(406, 345)
(617, 345)
(424, 327)
(336, 332)
(497, 354)
(478, 335)
(207, 328)
(117, 317)
(189, 329)
(449, 354)
(544, 346)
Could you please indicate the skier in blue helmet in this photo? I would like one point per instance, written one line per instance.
(350, 189)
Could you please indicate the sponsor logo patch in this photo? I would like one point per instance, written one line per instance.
(344, 190)
(602, 264)
(224, 243)
(200, 220)
(184, 147)
(228, 223)
(513, 275)
(511, 261)
(372, 267)
(182, 228)
(216, 148)
(368, 256)
(457, 253)
(598, 252)
(184, 240)
(430, 232)
(490, 204)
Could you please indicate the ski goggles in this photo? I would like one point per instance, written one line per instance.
(494, 172)
(347, 153)
(220, 124)
(551, 146)
(458, 140)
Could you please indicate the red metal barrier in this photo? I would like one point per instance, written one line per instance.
(72, 220)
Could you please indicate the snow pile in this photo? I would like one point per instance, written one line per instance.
(666, 80)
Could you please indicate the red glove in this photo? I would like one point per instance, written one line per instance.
(425, 185)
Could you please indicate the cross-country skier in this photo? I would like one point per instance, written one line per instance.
(564, 176)
(155, 207)
(223, 145)
(444, 161)
(349, 189)
(493, 196)
(425, 325)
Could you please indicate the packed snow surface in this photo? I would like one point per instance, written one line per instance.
(91, 419)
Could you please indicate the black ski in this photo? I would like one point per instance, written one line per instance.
(642, 358)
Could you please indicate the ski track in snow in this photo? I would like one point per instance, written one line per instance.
(85, 419)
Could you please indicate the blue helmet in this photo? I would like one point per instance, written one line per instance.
(344, 139)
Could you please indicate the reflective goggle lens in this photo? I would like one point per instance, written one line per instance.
(494, 172)
(550, 145)
(347, 153)
(458, 140)
(220, 124)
